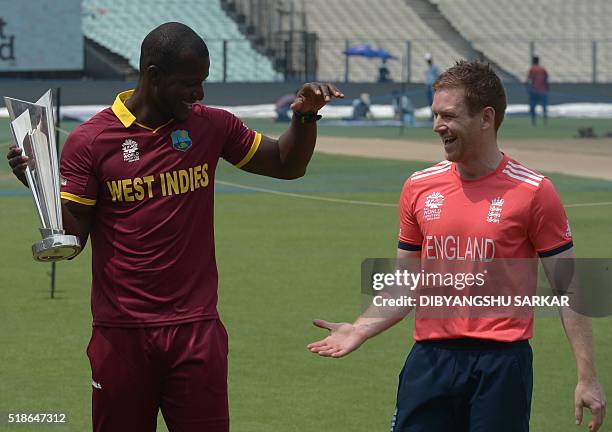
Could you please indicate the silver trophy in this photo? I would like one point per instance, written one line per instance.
(33, 130)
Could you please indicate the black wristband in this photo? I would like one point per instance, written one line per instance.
(304, 118)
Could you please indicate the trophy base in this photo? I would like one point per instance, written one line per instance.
(56, 247)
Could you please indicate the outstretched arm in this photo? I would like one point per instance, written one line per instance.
(345, 338)
(589, 392)
(288, 156)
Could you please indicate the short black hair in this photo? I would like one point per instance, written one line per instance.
(165, 45)
(535, 60)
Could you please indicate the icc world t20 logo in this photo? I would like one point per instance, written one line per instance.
(433, 206)
(180, 140)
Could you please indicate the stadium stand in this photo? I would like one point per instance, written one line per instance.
(562, 32)
(384, 24)
(121, 25)
(278, 29)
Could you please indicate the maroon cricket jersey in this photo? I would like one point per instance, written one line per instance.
(152, 235)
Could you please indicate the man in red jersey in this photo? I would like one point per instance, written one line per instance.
(537, 87)
(474, 373)
(139, 179)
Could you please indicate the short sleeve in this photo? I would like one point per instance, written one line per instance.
(549, 230)
(78, 182)
(410, 236)
(241, 142)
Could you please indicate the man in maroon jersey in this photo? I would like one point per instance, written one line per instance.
(139, 179)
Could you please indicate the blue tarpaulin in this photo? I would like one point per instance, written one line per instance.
(366, 50)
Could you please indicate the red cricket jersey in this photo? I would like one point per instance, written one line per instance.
(538, 77)
(513, 212)
(152, 236)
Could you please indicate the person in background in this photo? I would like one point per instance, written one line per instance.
(431, 74)
(283, 106)
(384, 75)
(361, 107)
(537, 86)
(403, 109)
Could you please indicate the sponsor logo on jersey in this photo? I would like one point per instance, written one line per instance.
(568, 231)
(433, 206)
(180, 140)
(495, 210)
(130, 150)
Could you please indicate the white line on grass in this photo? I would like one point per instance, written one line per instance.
(343, 201)
(590, 204)
(310, 197)
(62, 131)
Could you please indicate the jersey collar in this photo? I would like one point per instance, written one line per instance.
(125, 115)
(477, 181)
(121, 111)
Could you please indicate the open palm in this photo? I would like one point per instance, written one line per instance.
(343, 339)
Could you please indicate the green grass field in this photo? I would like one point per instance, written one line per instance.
(283, 261)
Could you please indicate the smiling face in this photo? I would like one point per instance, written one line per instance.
(460, 132)
(178, 89)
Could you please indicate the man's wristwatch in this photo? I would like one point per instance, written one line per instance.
(309, 117)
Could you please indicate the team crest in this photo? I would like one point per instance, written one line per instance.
(495, 210)
(180, 140)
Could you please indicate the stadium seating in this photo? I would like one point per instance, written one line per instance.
(386, 24)
(121, 25)
(562, 31)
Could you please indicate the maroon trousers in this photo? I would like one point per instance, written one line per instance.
(180, 369)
